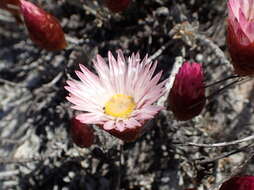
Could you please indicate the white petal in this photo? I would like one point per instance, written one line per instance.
(120, 126)
(109, 125)
(91, 118)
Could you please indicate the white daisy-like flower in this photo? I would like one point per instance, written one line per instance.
(120, 97)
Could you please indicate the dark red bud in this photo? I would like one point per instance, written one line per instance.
(239, 183)
(82, 134)
(187, 96)
(44, 29)
(117, 5)
(242, 54)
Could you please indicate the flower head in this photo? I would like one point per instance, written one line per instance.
(44, 29)
(81, 134)
(13, 7)
(117, 5)
(119, 99)
(187, 95)
(239, 183)
(240, 35)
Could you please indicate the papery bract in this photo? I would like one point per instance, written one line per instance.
(239, 183)
(117, 5)
(81, 134)
(44, 29)
(128, 135)
(240, 35)
(13, 7)
(187, 96)
(120, 98)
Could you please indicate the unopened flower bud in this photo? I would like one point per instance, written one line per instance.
(239, 183)
(117, 5)
(82, 134)
(240, 36)
(44, 29)
(187, 95)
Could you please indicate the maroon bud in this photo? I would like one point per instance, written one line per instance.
(44, 29)
(239, 183)
(187, 95)
(82, 134)
(240, 36)
(117, 5)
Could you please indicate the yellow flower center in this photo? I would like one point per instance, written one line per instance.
(120, 105)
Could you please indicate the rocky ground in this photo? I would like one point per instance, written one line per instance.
(36, 151)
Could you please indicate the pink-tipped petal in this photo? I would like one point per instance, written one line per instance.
(91, 118)
(109, 125)
(132, 123)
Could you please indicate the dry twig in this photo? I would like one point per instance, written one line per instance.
(222, 144)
